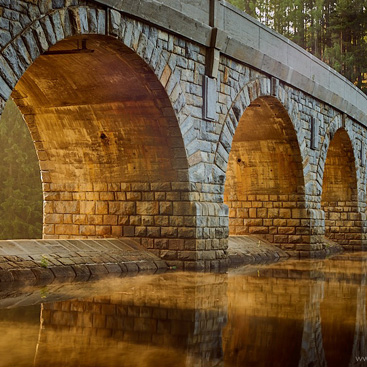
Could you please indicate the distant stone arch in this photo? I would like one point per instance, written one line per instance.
(339, 198)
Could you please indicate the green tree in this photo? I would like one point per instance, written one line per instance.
(333, 30)
(21, 193)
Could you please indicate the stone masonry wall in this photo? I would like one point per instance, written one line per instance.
(238, 87)
(163, 216)
(181, 226)
(280, 219)
(343, 224)
(29, 28)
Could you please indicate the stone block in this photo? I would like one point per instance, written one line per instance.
(48, 229)
(298, 239)
(177, 221)
(184, 208)
(115, 22)
(161, 220)
(147, 208)
(63, 272)
(66, 207)
(258, 230)
(133, 196)
(107, 196)
(66, 229)
(116, 231)
(110, 220)
(54, 218)
(273, 213)
(153, 232)
(253, 213)
(79, 219)
(280, 239)
(102, 207)
(87, 207)
(97, 269)
(286, 230)
(103, 230)
(184, 232)
(261, 213)
(88, 230)
(23, 275)
(128, 231)
(169, 232)
(95, 219)
(147, 220)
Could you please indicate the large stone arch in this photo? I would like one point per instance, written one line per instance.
(161, 213)
(268, 198)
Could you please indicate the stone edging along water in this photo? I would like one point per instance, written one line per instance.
(42, 261)
(45, 260)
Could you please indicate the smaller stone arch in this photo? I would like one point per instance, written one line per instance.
(335, 124)
(264, 188)
(339, 197)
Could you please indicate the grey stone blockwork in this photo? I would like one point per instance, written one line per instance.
(28, 28)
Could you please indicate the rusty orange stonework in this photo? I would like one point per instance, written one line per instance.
(114, 104)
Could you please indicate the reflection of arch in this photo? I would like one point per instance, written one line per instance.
(104, 125)
(264, 184)
(312, 349)
(359, 350)
(338, 311)
(339, 198)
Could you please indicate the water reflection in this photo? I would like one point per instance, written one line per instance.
(160, 324)
(297, 313)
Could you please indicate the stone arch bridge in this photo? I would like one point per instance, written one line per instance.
(178, 123)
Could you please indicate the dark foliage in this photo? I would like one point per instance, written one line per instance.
(21, 192)
(333, 30)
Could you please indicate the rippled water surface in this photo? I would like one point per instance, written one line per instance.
(296, 313)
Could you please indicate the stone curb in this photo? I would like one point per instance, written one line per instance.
(37, 262)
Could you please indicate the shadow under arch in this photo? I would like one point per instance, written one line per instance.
(107, 139)
(264, 186)
(339, 198)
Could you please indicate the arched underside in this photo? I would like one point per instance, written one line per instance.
(107, 138)
(339, 194)
(264, 186)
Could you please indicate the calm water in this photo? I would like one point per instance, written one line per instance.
(296, 313)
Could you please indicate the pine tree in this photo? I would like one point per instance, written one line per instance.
(333, 30)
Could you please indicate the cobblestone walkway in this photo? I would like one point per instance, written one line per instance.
(35, 260)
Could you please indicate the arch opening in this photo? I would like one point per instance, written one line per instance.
(264, 186)
(110, 149)
(339, 198)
